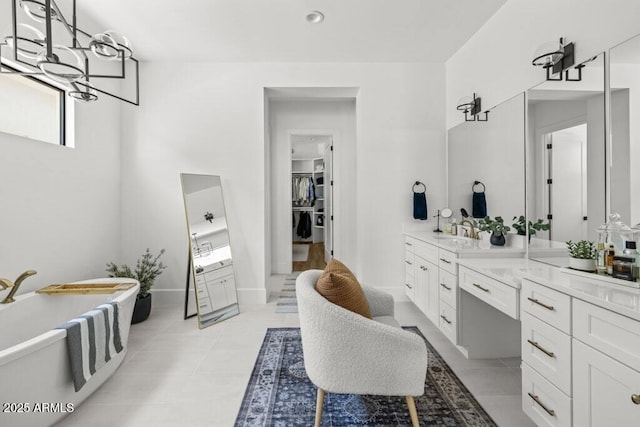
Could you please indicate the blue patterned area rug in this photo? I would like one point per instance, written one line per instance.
(280, 394)
(287, 302)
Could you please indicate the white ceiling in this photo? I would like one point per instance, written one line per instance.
(276, 30)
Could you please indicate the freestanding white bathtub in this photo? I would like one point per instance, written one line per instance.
(36, 387)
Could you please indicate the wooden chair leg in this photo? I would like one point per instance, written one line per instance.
(319, 406)
(412, 411)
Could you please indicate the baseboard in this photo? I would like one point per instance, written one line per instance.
(252, 296)
(174, 297)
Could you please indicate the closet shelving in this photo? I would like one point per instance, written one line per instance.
(312, 168)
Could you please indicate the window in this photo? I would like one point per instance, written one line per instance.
(32, 108)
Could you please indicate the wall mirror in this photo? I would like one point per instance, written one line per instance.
(625, 130)
(212, 273)
(566, 158)
(491, 153)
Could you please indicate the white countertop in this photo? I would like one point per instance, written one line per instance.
(465, 245)
(619, 298)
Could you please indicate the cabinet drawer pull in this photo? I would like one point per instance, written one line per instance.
(478, 286)
(445, 260)
(537, 400)
(408, 244)
(635, 398)
(536, 345)
(408, 286)
(423, 268)
(445, 286)
(535, 301)
(409, 262)
(445, 319)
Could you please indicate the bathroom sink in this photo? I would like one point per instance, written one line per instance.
(85, 288)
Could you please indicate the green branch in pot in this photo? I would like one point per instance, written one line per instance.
(582, 249)
(147, 270)
(520, 226)
(493, 225)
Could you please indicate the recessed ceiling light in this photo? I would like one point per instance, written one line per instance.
(315, 17)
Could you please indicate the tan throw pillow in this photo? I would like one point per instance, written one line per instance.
(338, 285)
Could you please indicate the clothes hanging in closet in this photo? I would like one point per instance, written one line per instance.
(304, 225)
(303, 190)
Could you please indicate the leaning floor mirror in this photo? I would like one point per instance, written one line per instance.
(212, 274)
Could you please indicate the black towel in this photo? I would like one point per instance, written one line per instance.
(479, 205)
(419, 205)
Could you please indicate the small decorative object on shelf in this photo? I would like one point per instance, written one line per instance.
(521, 227)
(496, 227)
(583, 255)
(147, 270)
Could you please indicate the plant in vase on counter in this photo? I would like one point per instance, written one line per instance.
(496, 227)
(521, 226)
(583, 255)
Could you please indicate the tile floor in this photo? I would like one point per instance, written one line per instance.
(175, 374)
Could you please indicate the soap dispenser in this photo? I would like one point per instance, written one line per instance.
(454, 227)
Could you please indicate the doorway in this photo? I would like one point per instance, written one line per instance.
(566, 182)
(311, 199)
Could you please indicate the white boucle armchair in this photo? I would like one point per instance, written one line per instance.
(345, 352)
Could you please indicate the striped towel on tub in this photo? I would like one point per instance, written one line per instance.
(92, 340)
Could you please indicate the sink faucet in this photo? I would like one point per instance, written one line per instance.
(473, 234)
(14, 286)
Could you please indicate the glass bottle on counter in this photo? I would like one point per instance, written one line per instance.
(601, 262)
(609, 255)
(631, 252)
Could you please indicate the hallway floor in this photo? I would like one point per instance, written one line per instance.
(175, 374)
(315, 259)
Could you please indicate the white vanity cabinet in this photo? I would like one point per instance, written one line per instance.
(431, 282)
(606, 367)
(216, 288)
(409, 268)
(580, 360)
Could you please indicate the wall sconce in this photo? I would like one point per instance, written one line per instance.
(556, 58)
(472, 106)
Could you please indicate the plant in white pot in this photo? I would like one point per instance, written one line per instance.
(148, 268)
(583, 255)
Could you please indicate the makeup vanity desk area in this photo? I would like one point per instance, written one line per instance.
(579, 339)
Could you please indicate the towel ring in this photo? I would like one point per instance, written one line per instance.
(473, 187)
(418, 183)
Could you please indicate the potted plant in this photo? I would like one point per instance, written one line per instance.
(147, 270)
(521, 226)
(496, 227)
(583, 255)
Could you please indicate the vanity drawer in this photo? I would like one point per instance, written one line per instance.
(611, 333)
(544, 403)
(409, 286)
(548, 351)
(495, 293)
(448, 324)
(409, 259)
(218, 273)
(426, 251)
(204, 305)
(447, 261)
(448, 288)
(550, 306)
(409, 243)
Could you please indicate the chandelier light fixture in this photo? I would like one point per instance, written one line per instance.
(44, 42)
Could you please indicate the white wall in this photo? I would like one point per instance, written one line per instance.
(496, 62)
(320, 115)
(61, 205)
(210, 118)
